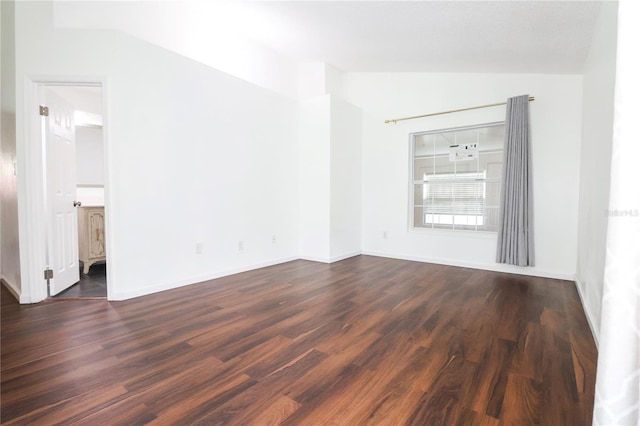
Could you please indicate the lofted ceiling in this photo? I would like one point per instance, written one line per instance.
(526, 36)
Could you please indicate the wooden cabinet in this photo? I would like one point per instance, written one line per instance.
(91, 246)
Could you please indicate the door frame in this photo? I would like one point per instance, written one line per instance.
(32, 212)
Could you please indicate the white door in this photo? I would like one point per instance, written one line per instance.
(62, 229)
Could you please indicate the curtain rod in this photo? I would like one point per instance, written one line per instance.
(395, 120)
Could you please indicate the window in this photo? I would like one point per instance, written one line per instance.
(456, 177)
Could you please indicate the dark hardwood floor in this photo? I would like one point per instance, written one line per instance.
(364, 341)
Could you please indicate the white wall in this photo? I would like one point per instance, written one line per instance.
(89, 156)
(597, 134)
(9, 247)
(346, 179)
(330, 137)
(315, 181)
(178, 129)
(212, 33)
(317, 79)
(555, 131)
(85, 99)
(193, 156)
(311, 80)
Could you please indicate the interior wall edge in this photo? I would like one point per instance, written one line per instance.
(593, 326)
(22, 299)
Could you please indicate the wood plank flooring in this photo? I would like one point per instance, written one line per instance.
(364, 341)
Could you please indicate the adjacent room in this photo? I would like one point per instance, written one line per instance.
(310, 213)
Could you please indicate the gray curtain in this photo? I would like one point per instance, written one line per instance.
(515, 229)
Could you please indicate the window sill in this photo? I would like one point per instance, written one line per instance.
(454, 233)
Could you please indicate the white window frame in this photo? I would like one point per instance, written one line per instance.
(413, 182)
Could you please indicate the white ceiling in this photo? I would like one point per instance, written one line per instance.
(526, 36)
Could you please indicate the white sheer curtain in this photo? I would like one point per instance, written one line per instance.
(617, 399)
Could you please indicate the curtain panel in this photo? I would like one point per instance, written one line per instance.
(617, 399)
(515, 228)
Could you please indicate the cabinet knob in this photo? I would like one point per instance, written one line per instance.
(77, 203)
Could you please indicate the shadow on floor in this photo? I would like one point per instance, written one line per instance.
(91, 285)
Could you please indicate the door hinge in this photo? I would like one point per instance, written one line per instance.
(48, 274)
(44, 111)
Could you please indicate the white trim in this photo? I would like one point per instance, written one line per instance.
(14, 291)
(586, 310)
(31, 192)
(110, 236)
(345, 256)
(316, 259)
(330, 259)
(489, 235)
(196, 280)
(485, 267)
(31, 214)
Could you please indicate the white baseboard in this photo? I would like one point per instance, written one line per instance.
(345, 256)
(21, 298)
(587, 311)
(486, 267)
(316, 259)
(331, 259)
(124, 295)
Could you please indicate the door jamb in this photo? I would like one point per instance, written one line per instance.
(32, 191)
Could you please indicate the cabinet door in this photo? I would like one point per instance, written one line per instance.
(96, 234)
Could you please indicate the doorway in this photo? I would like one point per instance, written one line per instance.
(74, 171)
